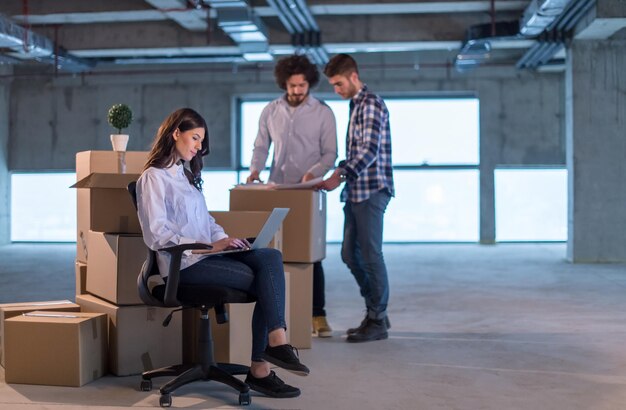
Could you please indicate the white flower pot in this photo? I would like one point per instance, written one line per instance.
(119, 141)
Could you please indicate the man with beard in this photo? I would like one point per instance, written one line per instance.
(303, 132)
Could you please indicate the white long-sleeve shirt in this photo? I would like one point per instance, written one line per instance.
(173, 212)
(304, 139)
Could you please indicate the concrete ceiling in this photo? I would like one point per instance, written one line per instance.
(158, 32)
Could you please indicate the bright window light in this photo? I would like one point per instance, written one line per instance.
(531, 204)
(43, 207)
(424, 131)
(434, 131)
(216, 188)
(250, 114)
(435, 205)
(430, 206)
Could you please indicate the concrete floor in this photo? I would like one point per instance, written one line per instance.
(474, 327)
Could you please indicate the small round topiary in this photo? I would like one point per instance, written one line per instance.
(120, 116)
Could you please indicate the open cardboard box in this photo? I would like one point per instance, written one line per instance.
(88, 206)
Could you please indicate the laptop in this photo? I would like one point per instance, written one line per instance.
(263, 238)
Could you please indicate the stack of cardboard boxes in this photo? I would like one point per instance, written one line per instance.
(304, 242)
(109, 329)
(110, 250)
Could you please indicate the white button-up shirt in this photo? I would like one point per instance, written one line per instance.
(304, 138)
(173, 212)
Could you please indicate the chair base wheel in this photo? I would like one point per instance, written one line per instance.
(146, 385)
(165, 400)
(244, 399)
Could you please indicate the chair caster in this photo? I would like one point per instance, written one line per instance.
(165, 400)
(146, 385)
(244, 399)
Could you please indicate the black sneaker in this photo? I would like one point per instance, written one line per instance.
(285, 356)
(272, 386)
(373, 330)
(354, 330)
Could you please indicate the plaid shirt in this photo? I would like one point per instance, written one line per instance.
(368, 148)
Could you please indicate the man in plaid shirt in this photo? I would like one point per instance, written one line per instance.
(368, 177)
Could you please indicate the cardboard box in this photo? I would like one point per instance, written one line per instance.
(9, 310)
(300, 290)
(103, 162)
(107, 162)
(55, 348)
(138, 341)
(245, 224)
(81, 278)
(304, 228)
(114, 265)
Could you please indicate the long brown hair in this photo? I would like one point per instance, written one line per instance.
(163, 150)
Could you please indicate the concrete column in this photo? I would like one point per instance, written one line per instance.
(487, 205)
(595, 113)
(5, 182)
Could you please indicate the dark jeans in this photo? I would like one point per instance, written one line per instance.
(319, 298)
(362, 250)
(258, 272)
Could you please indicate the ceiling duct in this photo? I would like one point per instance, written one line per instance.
(240, 22)
(305, 33)
(539, 15)
(476, 48)
(19, 44)
(555, 34)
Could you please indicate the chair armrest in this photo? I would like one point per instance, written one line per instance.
(173, 277)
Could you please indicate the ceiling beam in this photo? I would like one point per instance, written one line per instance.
(177, 12)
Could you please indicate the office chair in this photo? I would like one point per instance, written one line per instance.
(204, 298)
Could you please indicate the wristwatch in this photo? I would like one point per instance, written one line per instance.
(342, 174)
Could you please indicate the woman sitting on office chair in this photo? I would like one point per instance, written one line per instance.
(172, 211)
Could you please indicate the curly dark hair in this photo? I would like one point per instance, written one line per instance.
(294, 65)
(163, 150)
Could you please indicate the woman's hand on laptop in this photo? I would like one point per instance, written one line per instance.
(226, 244)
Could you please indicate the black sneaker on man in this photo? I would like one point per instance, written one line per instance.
(354, 330)
(373, 330)
(272, 386)
(285, 356)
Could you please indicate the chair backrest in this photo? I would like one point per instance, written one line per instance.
(149, 276)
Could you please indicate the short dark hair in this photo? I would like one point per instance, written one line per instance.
(341, 64)
(294, 65)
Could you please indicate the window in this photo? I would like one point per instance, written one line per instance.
(435, 156)
(43, 207)
(531, 204)
(434, 131)
(216, 188)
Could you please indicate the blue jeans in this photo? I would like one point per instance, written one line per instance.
(258, 272)
(362, 250)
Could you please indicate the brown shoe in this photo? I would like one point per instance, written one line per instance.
(321, 328)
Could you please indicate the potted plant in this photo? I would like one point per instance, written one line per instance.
(120, 116)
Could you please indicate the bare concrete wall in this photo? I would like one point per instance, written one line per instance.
(521, 113)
